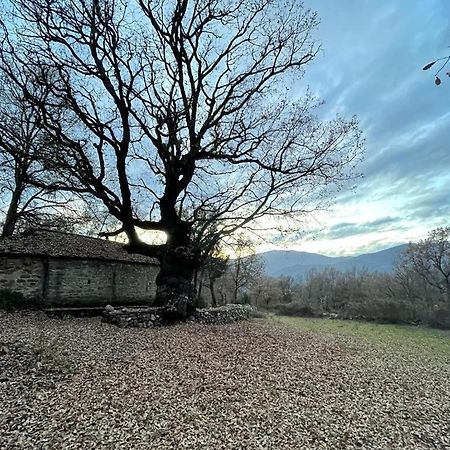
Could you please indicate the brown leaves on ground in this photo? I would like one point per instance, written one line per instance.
(241, 386)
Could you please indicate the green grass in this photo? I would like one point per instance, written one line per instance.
(414, 340)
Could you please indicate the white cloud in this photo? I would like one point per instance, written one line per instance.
(371, 66)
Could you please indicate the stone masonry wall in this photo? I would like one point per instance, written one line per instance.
(145, 317)
(135, 282)
(23, 275)
(90, 282)
(66, 282)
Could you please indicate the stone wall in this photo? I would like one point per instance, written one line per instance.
(146, 317)
(23, 275)
(91, 282)
(134, 317)
(223, 314)
(135, 282)
(78, 282)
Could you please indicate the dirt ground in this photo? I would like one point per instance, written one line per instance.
(83, 384)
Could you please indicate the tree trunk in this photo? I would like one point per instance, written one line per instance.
(175, 290)
(236, 279)
(198, 284)
(213, 292)
(11, 216)
(447, 289)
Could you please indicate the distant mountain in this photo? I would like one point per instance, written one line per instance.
(298, 264)
(276, 260)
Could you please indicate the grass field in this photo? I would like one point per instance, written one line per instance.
(275, 383)
(410, 339)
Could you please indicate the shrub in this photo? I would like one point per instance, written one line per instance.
(440, 319)
(201, 302)
(257, 313)
(15, 300)
(295, 309)
(51, 358)
(245, 299)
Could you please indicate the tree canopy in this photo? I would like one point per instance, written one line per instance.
(179, 116)
(430, 260)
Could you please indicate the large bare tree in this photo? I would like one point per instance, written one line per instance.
(178, 115)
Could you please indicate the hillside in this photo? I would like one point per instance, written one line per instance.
(298, 264)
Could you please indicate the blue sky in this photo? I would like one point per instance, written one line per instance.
(371, 66)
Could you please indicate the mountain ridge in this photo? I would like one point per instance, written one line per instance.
(297, 264)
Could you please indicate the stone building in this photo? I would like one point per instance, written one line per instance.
(62, 269)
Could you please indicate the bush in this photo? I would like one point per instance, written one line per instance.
(201, 302)
(51, 358)
(393, 312)
(14, 300)
(440, 319)
(257, 313)
(295, 309)
(245, 299)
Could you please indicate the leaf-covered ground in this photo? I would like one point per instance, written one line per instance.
(272, 384)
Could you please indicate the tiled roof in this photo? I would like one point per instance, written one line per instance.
(59, 245)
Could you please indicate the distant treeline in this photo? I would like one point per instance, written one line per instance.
(418, 291)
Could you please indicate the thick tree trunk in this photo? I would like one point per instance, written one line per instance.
(175, 290)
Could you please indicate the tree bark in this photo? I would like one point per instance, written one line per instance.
(198, 285)
(11, 216)
(447, 289)
(175, 290)
(236, 279)
(213, 292)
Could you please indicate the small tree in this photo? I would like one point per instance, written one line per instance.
(177, 115)
(287, 285)
(430, 260)
(266, 292)
(22, 146)
(246, 268)
(214, 267)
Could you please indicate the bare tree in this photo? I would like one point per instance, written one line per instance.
(246, 268)
(22, 145)
(430, 259)
(28, 199)
(214, 267)
(178, 115)
(287, 286)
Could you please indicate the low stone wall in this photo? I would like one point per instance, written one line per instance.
(145, 317)
(134, 317)
(222, 314)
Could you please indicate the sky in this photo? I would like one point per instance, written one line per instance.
(371, 67)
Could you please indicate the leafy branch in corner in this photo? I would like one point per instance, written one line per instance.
(437, 80)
